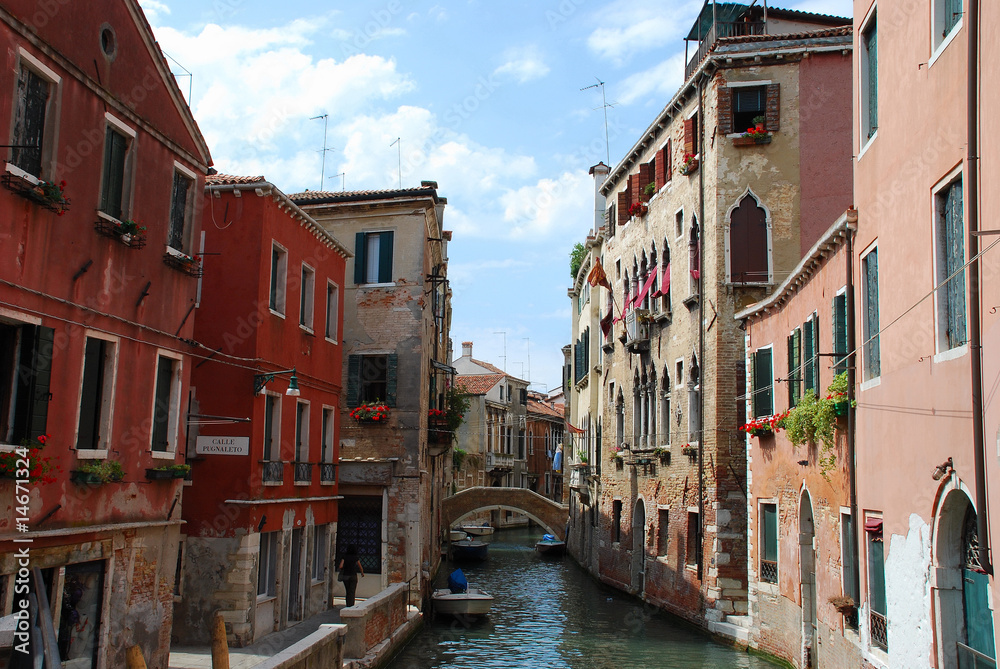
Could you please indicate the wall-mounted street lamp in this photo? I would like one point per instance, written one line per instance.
(261, 380)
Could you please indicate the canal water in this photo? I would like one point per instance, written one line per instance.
(550, 614)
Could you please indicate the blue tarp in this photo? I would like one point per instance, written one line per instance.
(557, 461)
(457, 581)
(548, 537)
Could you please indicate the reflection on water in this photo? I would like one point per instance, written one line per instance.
(549, 614)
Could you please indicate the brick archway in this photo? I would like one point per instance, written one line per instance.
(550, 515)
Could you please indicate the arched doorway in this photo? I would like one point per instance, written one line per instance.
(639, 547)
(807, 582)
(961, 594)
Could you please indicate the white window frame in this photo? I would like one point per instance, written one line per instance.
(50, 134)
(757, 541)
(940, 42)
(174, 416)
(15, 319)
(273, 566)
(281, 284)
(728, 244)
(862, 112)
(867, 383)
(128, 170)
(746, 84)
(108, 395)
(302, 430)
(679, 234)
(332, 324)
(940, 303)
(367, 267)
(275, 427)
(679, 373)
(328, 428)
(307, 297)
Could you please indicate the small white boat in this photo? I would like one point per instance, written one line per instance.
(472, 602)
(457, 535)
(483, 530)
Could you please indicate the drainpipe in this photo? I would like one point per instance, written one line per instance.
(852, 473)
(975, 336)
(701, 330)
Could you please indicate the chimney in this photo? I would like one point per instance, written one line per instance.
(600, 172)
(466, 349)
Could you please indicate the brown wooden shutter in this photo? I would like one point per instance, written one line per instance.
(669, 159)
(725, 109)
(689, 135)
(661, 168)
(634, 189)
(645, 176)
(623, 203)
(773, 108)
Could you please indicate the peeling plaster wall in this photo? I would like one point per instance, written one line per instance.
(908, 596)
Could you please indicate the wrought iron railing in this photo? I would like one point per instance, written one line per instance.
(768, 571)
(879, 630)
(303, 472)
(970, 658)
(327, 472)
(721, 29)
(273, 471)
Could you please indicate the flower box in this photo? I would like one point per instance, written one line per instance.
(171, 472)
(188, 264)
(370, 412)
(44, 193)
(689, 165)
(132, 238)
(752, 139)
(690, 451)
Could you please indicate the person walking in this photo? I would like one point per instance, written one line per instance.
(350, 569)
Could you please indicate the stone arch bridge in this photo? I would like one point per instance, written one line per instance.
(552, 516)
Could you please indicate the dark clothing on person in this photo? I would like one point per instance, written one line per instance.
(350, 567)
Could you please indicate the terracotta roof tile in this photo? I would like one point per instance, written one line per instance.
(486, 365)
(477, 384)
(544, 409)
(311, 195)
(229, 179)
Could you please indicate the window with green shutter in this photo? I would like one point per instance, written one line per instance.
(763, 380)
(808, 375)
(951, 263)
(870, 332)
(794, 379)
(29, 121)
(768, 543)
(869, 74)
(840, 333)
(113, 181)
(373, 257)
(371, 378)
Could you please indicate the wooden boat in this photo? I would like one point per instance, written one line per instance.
(472, 602)
(483, 530)
(457, 534)
(469, 549)
(549, 546)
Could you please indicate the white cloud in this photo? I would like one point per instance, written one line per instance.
(438, 13)
(550, 206)
(661, 80)
(626, 28)
(524, 64)
(153, 8)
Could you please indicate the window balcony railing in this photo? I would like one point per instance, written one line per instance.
(718, 30)
(499, 461)
(637, 330)
(879, 630)
(768, 571)
(327, 473)
(970, 658)
(273, 471)
(303, 472)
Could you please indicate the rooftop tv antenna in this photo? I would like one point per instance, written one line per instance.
(322, 171)
(605, 105)
(504, 333)
(343, 180)
(399, 158)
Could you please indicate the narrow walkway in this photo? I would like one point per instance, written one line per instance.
(200, 657)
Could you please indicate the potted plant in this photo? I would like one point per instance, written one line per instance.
(638, 209)
(650, 190)
(759, 122)
(27, 464)
(173, 471)
(844, 604)
(688, 164)
(689, 450)
(370, 412)
(128, 229)
(765, 426)
(97, 472)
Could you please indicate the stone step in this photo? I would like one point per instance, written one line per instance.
(739, 621)
(735, 632)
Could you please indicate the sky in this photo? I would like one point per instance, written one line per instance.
(485, 99)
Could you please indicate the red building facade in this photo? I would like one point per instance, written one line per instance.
(262, 511)
(98, 259)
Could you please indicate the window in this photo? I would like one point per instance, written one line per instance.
(616, 509)
(691, 135)
(332, 310)
(326, 449)
(810, 355)
(747, 241)
(794, 379)
(840, 333)
(34, 117)
(663, 532)
(181, 209)
(361, 524)
(321, 540)
(869, 80)
(279, 272)
(307, 297)
(768, 528)
(748, 104)
(373, 257)
(850, 565)
(876, 582)
(25, 371)
(947, 14)
(693, 528)
(762, 375)
(694, 258)
(166, 404)
(96, 395)
(301, 432)
(870, 348)
(679, 223)
(116, 179)
(272, 427)
(665, 409)
(267, 565)
(371, 378)
(950, 261)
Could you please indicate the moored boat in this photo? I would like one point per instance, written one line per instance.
(457, 534)
(483, 530)
(469, 549)
(549, 546)
(458, 599)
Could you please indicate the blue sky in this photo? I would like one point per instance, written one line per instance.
(486, 99)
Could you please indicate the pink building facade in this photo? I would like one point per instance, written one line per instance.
(925, 443)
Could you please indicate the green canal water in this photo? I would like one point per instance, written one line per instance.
(550, 614)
